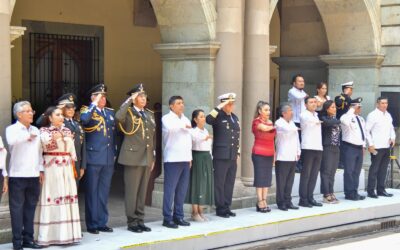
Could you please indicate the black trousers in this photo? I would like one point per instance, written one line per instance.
(309, 174)
(378, 170)
(329, 164)
(353, 158)
(23, 198)
(224, 181)
(284, 172)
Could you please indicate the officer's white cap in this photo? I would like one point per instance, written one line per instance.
(348, 84)
(227, 96)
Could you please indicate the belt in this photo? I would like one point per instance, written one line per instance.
(352, 145)
(57, 153)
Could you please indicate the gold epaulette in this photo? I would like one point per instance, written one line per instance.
(84, 109)
(151, 111)
(214, 113)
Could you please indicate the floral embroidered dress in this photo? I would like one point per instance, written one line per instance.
(57, 219)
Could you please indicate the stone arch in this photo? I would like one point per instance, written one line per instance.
(352, 26)
(186, 21)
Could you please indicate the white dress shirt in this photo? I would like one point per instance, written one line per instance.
(176, 138)
(287, 142)
(380, 130)
(3, 157)
(199, 142)
(351, 132)
(26, 156)
(296, 98)
(311, 133)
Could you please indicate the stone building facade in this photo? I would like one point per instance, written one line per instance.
(203, 48)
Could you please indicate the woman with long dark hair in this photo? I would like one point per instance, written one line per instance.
(57, 219)
(263, 153)
(322, 95)
(201, 187)
(330, 155)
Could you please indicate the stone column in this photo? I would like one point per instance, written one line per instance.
(5, 103)
(188, 70)
(255, 74)
(229, 62)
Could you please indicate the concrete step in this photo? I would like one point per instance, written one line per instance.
(247, 226)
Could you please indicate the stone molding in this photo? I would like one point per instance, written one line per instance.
(188, 51)
(272, 49)
(298, 62)
(16, 32)
(353, 61)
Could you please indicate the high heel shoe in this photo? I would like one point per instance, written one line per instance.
(260, 209)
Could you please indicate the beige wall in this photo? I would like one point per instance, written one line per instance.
(275, 40)
(128, 54)
(303, 32)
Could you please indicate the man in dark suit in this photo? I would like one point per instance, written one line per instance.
(226, 150)
(67, 103)
(99, 125)
(136, 155)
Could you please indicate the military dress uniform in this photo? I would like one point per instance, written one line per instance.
(77, 130)
(137, 156)
(99, 127)
(226, 149)
(354, 141)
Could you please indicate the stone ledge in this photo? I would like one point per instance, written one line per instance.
(188, 51)
(298, 62)
(353, 61)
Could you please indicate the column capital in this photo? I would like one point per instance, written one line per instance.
(188, 51)
(353, 61)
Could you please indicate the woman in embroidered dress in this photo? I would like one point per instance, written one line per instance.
(57, 219)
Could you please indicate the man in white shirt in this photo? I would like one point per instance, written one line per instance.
(311, 146)
(288, 151)
(25, 174)
(296, 96)
(353, 138)
(177, 160)
(380, 137)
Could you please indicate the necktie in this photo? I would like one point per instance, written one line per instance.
(103, 112)
(142, 114)
(71, 123)
(359, 125)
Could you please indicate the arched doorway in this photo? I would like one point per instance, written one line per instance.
(334, 41)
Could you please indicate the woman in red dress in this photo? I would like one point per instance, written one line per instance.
(263, 153)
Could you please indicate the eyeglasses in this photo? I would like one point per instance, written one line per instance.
(29, 111)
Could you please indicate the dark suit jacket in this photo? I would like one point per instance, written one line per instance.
(80, 143)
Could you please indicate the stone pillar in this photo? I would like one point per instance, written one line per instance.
(364, 70)
(255, 74)
(5, 103)
(188, 70)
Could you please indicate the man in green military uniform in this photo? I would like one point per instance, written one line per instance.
(136, 155)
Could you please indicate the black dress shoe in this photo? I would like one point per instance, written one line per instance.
(372, 195)
(105, 229)
(181, 222)
(31, 244)
(230, 213)
(304, 204)
(291, 206)
(144, 228)
(360, 197)
(18, 248)
(223, 215)
(169, 224)
(93, 231)
(135, 229)
(283, 208)
(315, 203)
(385, 194)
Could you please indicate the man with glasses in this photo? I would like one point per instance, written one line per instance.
(67, 103)
(25, 174)
(99, 125)
(137, 154)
